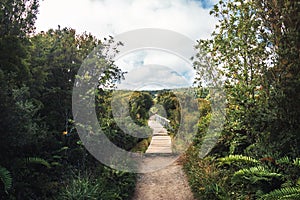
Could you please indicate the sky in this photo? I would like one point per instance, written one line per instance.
(146, 68)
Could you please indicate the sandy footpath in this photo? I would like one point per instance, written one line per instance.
(168, 183)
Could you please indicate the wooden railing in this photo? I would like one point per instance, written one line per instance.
(162, 120)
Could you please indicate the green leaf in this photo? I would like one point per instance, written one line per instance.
(254, 175)
(291, 193)
(233, 159)
(6, 178)
(36, 160)
(297, 162)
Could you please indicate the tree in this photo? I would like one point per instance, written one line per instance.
(255, 50)
(281, 30)
(171, 104)
(56, 57)
(17, 22)
(16, 105)
(140, 104)
(246, 50)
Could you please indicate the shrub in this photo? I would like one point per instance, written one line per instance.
(80, 188)
(206, 180)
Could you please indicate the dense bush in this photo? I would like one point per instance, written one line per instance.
(108, 184)
(41, 154)
(257, 153)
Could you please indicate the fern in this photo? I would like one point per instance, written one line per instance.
(292, 193)
(6, 178)
(287, 160)
(254, 175)
(233, 159)
(36, 160)
(297, 162)
(284, 160)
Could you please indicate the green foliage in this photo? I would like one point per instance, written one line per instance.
(254, 175)
(281, 19)
(37, 73)
(119, 184)
(56, 58)
(130, 116)
(297, 162)
(39, 161)
(239, 159)
(288, 161)
(17, 19)
(255, 50)
(82, 188)
(142, 146)
(36, 79)
(110, 184)
(255, 47)
(292, 193)
(205, 179)
(6, 178)
(249, 49)
(243, 176)
(139, 105)
(171, 105)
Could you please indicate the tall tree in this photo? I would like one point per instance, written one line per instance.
(17, 22)
(56, 57)
(16, 107)
(256, 49)
(282, 31)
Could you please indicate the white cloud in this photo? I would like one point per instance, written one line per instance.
(112, 17)
(173, 68)
(161, 77)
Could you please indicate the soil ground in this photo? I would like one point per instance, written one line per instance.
(168, 183)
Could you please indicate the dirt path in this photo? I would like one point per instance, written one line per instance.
(168, 183)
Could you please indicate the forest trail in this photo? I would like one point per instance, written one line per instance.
(168, 183)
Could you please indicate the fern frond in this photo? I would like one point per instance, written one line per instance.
(254, 175)
(284, 160)
(6, 178)
(288, 161)
(297, 162)
(292, 193)
(36, 160)
(233, 159)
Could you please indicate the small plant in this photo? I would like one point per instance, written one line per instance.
(287, 193)
(103, 184)
(39, 161)
(6, 178)
(205, 179)
(237, 159)
(81, 188)
(254, 175)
